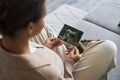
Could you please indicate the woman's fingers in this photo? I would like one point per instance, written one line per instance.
(73, 53)
(70, 52)
(52, 39)
(75, 48)
(71, 47)
(57, 42)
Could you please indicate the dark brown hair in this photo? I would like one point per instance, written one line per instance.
(16, 14)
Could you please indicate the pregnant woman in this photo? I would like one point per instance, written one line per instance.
(20, 59)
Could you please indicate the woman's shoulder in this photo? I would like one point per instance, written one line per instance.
(23, 61)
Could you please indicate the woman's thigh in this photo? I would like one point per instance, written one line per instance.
(96, 61)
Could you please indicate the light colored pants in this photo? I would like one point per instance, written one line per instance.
(96, 61)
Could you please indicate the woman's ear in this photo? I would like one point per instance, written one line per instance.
(30, 29)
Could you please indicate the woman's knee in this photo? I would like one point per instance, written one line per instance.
(110, 47)
(109, 51)
(106, 49)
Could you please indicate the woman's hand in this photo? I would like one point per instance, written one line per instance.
(73, 53)
(53, 43)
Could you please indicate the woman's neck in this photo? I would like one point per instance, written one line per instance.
(16, 45)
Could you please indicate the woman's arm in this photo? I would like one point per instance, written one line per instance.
(72, 56)
(49, 73)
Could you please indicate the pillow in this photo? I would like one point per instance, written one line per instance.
(107, 15)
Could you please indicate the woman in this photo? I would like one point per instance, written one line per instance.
(23, 19)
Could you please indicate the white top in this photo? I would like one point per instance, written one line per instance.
(42, 64)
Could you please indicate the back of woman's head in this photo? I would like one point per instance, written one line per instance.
(16, 14)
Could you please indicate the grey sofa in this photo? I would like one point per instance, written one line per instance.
(100, 23)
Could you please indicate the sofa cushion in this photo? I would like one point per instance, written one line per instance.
(107, 15)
